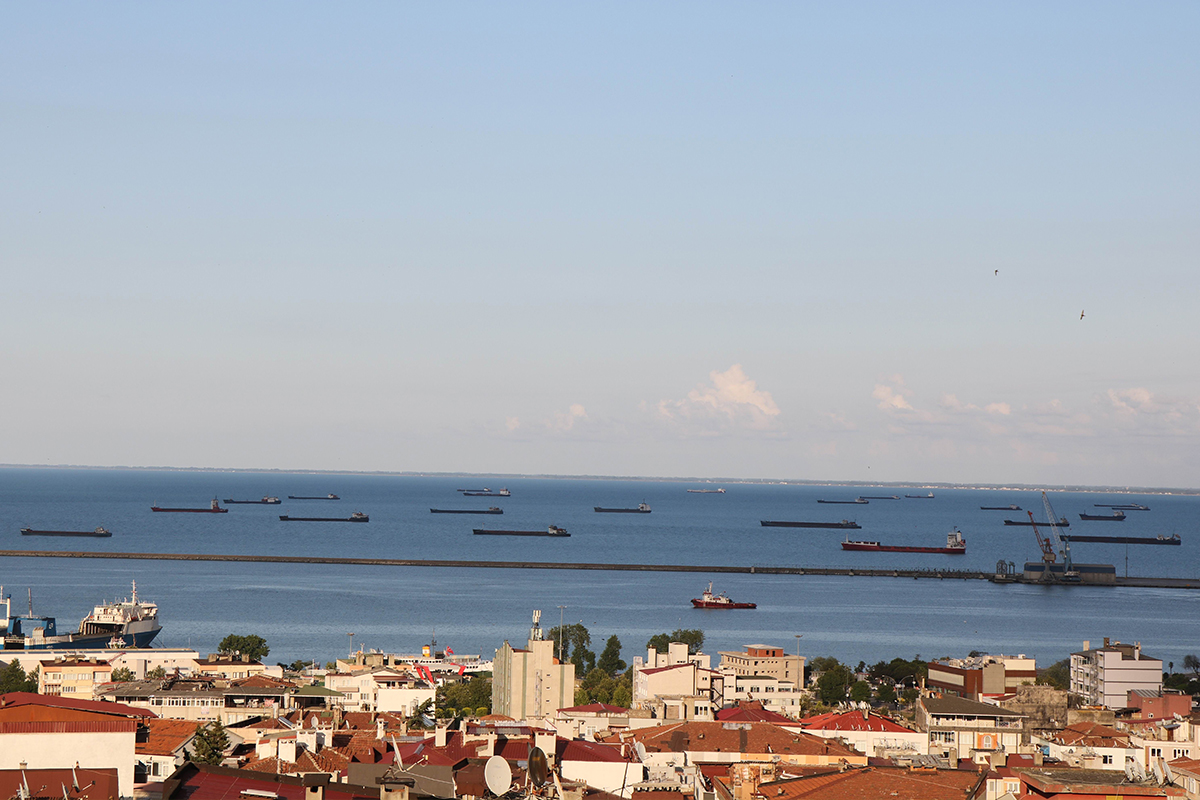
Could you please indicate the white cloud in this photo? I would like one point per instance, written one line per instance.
(1003, 409)
(890, 398)
(565, 422)
(731, 398)
(512, 423)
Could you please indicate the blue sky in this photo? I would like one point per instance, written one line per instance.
(749, 240)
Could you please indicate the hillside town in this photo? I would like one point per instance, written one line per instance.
(546, 717)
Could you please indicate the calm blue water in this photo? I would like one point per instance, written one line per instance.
(306, 611)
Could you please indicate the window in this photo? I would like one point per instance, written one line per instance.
(942, 737)
(1156, 752)
(1106, 759)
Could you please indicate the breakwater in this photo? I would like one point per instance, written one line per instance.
(929, 573)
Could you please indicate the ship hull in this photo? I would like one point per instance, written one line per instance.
(286, 518)
(465, 511)
(1168, 540)
(774, 523)
(875, 547)
(482, 532)
(711, 604)
(1103, 517)
(190, 510)
(229, 502)
(843, 502)
(484, 494)
(999, 508)
(94, 534)
(1062, 523)
(600, 510)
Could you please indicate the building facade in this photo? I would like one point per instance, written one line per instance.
(1104, 676)
(530, 683)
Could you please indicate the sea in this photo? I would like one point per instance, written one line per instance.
(319, 612)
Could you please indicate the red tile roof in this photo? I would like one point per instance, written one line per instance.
(70, 726)
(894, 783)
(744, 737)
(853, 721)
(752, 711)
(166, 736)
(47, 784)
(654, 670)
(204, 782)
(15, 700)
(597, 708)
(1091, 734)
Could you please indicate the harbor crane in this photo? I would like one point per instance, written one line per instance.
(1053, 546)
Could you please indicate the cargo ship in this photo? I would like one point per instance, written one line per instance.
(1160, 539)
(861, 501)
(1063, 522)
(213, 508)
(485, 493)
(706, 491)
(553, 530)
(1013, 507)
(881, 497)
(920, 496)
(330, 496)
(955, 545)
(642, 508)
(709, 600)
(1116, 516)
(99, 533)
(775, 523)
(123, 623)
(1124, 506)
(357, 516)
(490, 510)
(266, 501)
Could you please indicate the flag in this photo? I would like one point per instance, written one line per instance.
(449, 651)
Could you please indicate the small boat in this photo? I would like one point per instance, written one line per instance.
(330, 496)
(1124, 506)
(1116, 516)
(99, 532)
(1012, 507)
(266, 501)
(880, 497)
(861, 501)
(773, 523)
(490, 510)
(642, 508)
(920, 496)
(1160, 539)
(1063, 522)
(710, 600)
(955, 545)
(706, 491)
(213, 508)
(553, 530)
(357, 516)
(486, 493)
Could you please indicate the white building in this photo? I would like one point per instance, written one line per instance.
(530, 683)
(1105, 676)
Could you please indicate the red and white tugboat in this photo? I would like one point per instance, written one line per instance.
(710, 600)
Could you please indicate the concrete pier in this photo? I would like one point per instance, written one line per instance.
(930, 573)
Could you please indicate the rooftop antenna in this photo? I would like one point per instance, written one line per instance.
(535, 633)
(400, 761)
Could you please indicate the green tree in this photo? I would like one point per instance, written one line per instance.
(122, 675)
(211, 742)
(14, 679)
(860, 692)
(418, 718)
(583, 659)
(693, 638)
(910, 695)
(569, 639)
(470, 694)
(834, 683)
(1192, 663)
(156, 674)
(610, 660)
(1057, 675)
(886, 693)
(299, 665)
(252, 647)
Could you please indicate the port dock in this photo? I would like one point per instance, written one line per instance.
(931, 573)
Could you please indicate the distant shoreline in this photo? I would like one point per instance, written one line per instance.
(927, 485)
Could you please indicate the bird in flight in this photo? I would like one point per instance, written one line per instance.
(1081, 315)
(997, 272)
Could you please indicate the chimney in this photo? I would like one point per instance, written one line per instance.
(380, 728)
(288, 752)
(489, 745)
(1038, 757)
(546, 741)
(439, 735)
(1087, 645)
(1106, 641)
(314, 785)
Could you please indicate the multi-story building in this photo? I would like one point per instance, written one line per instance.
(780, 696)
(966, 729)
(73, 677)
(530, 683)
(764, 660)
(676, 684)
(1104, 676)
(975, 677)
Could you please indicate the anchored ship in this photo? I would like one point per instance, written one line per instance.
(123, 623)
(861, 501)
(330, 496)
(1012, 507)
(99, 532)
(213, 508)
(773, 523)
(1160, 539)
(706, 491)
(1063, 522)
(357, 516)
(485, 493)
(553, 530)
(266, 501)
(491, 510)
(955, 545)
(710, 600)
(642, 508)
(1116, 516)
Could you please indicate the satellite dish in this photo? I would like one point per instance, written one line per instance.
(1156, 766)
(640, 749)
(539, 769)
(1170, 776)
(497, 774)
(1129, 771)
